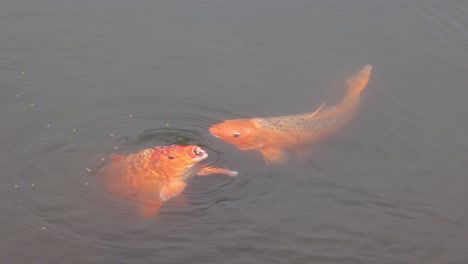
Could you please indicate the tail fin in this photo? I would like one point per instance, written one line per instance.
(358, 82)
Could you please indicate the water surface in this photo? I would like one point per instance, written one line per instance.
(80, 80)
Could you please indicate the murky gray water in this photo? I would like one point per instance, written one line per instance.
(80, 80)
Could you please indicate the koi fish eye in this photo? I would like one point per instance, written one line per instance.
(170, 157)
(236, 134)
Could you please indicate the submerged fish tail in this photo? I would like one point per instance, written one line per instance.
(358, 82)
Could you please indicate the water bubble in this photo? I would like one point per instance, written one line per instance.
(130, 115)
(88, 169)
(43, 228)
(86, 184)
(74, 130)
(33, 184)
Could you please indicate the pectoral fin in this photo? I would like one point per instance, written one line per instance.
(208, 170)
(273, 155)
(149, 208)
(171, 189)
(316, 111)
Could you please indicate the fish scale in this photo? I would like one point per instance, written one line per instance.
(272, 135)
(154, 175)
(302, 124)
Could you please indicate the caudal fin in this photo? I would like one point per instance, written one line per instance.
(358, 82)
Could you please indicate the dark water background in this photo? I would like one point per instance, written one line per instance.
(82, 79)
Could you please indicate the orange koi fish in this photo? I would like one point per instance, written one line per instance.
(272, 135)
(154, 175)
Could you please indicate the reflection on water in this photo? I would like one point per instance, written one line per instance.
(81, 80)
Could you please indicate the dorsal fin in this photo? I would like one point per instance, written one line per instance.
(316, 111)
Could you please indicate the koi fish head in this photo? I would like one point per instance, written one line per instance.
(180, 156)
(243, 133)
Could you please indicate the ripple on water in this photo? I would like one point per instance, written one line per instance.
(175, 132)
(61, 203)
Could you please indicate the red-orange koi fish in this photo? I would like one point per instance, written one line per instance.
(272, 135)
(154, 175)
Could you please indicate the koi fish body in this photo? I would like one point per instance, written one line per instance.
(272, 135)
(154, 175)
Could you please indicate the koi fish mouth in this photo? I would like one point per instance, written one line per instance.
(199, 154)
(215, 131)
